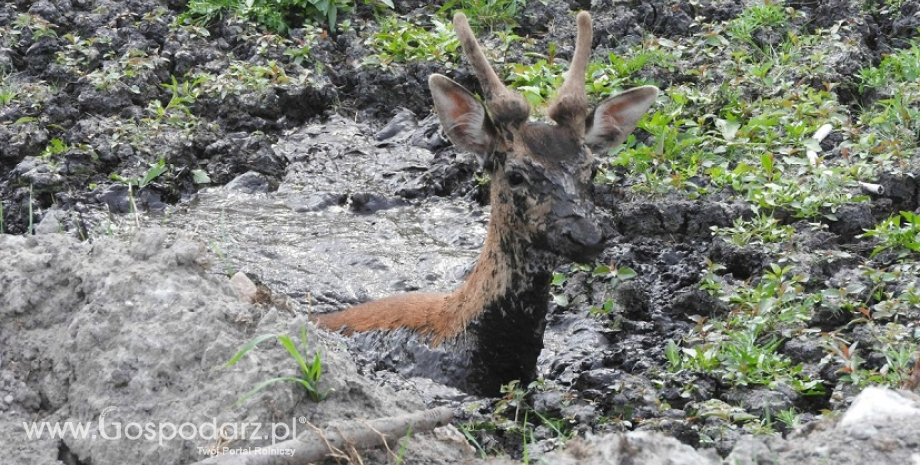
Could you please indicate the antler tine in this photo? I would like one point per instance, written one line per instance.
(505, 104)
(571, 104)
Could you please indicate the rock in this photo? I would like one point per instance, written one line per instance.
(248, 183)
(638, 447)
(881, 426)
(245, 289)
(879, 406)
(51, 223)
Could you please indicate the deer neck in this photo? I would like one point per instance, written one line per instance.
(498, 314)
(510, 275)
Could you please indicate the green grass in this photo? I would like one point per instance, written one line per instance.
(900, 236)
(487, 15)
(310, 372)
(8, 90)
(274, 15)
(762, 229)
(399, 41)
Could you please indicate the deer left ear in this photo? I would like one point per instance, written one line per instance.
(616, 117)
(462, 116)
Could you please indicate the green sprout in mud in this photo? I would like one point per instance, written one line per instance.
(895, 345)
(487, 14)
(37, 27)
(242, 77)
(761, 229)
(139, 182)
(743, 348)
(54, 148)
(513, 414)
(399, 41)
(893, 235)
(611, 275)
(310, 372)
(8, 90)
(177, 111)
(273, 15)
(759, 15)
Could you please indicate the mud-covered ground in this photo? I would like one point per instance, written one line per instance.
(295, 159)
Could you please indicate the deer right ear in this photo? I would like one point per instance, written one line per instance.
(616, 117)
(462, 116)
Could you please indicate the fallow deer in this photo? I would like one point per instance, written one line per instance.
(490, 330)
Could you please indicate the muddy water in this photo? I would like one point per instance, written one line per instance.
(336, 232)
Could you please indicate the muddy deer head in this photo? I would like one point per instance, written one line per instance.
(541, 173)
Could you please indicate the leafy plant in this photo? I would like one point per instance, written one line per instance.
(275, 15)
(8, 90)
(399, 41)
(761, 14)
(54, 148)
(487, 14)
(892, 235)
(761, 229)
(614, 276)
(176, 110)
(310, 373)
(139, 182)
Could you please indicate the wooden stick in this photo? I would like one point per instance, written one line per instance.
(312, 446)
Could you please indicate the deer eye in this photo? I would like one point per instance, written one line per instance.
(515, 178)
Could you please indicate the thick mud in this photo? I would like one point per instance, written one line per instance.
(330, 184)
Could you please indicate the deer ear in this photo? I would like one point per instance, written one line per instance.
(462, 116)
(616, 117)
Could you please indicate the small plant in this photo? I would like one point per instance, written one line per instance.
(790, 418)
(762, 229)
(399, 41)
(38, 27)
(274, 15)
(759, 15)
(893, 235)
(614, 276)
(487, 14)
(8, 90)
(309, 373)
(139, 182)
(902, 66)
(54, 148)
(176, 110)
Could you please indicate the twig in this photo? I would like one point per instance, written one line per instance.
(312, 446)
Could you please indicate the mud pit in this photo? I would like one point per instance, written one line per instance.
(327, 212)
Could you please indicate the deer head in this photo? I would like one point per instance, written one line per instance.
(541, 173)
(490, 330)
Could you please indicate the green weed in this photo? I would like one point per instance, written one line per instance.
(761, 229)
(399, 41)
(310, 373)
(8, 88)
(274, 15)
(54, 148)
(487, 14)
(893, 235)
(139, 182)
